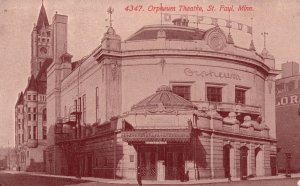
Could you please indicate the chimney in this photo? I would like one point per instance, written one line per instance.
(290, 69)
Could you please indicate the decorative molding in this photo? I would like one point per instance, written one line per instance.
(216, 39)
(162, 64)
(270, 80)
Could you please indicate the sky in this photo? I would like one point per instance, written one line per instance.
(87, 24)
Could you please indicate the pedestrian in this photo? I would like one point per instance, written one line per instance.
(186, 176)
(229, 177)
(181, 173)
(139, 176)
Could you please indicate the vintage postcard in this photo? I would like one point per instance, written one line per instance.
(144, 92)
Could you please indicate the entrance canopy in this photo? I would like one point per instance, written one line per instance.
(157, 136)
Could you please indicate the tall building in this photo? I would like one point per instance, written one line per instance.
(30, 109)
(169, 100)
(288, 116)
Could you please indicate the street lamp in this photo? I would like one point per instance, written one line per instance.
(288, 156)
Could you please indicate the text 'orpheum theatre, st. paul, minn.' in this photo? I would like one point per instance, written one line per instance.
(172, 99)
(189, 8)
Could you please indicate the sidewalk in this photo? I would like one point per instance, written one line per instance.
(149, 182)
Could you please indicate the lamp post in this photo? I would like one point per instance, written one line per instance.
(288, 156)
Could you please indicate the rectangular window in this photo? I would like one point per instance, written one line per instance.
(290, 85)
(29, 117)
(83, 108)
(96, 162)
(34, 97)
(28, 109)
(34, 132)
(131, 158)
(34, 117)
(280, 88)
(44, 132)
(214, 94)
(105, 162)
(22, 138)
(240, 96)
(183, 91)
(97, 102)
(79, 104)
(75, 105)
(29, 132)
(44, 115)
(29, 97)
(19, 138)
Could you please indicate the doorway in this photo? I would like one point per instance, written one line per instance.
(273, 162)
(228, 161)
(244, 162)
(89, 165)
(174, 165)
(259, 162)
(148, 165)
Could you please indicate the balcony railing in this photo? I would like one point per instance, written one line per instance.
(228, 107)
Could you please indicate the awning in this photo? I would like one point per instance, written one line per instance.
(157, 136)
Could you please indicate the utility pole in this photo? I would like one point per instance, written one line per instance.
(8, 156)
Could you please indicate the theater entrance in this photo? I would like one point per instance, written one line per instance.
(161, 162)
(174, 163)
(147, 163)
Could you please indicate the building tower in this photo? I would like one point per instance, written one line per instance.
(41, 42)
(30, 116)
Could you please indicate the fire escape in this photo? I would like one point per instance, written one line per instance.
(68, 138)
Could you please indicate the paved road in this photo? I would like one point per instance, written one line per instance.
(269, 182)
(7, 179)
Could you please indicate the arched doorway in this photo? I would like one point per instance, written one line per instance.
(228, 161)
(259, 162)
(244, 162)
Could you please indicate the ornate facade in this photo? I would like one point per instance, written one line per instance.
(212, 115)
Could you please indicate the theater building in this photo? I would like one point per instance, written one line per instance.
(287, 116)
(168, 100)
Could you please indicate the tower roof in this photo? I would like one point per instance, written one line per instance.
(20, 99)
(31, 84)
(42, 20)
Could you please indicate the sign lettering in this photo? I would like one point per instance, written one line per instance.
(288, 100)
(210, 73)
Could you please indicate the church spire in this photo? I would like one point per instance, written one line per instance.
(42, 20)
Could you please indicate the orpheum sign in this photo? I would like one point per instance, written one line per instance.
(288, 100)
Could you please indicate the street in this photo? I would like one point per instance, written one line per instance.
(7, 179)
(19, 179)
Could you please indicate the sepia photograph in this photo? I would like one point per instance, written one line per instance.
(137, 92)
